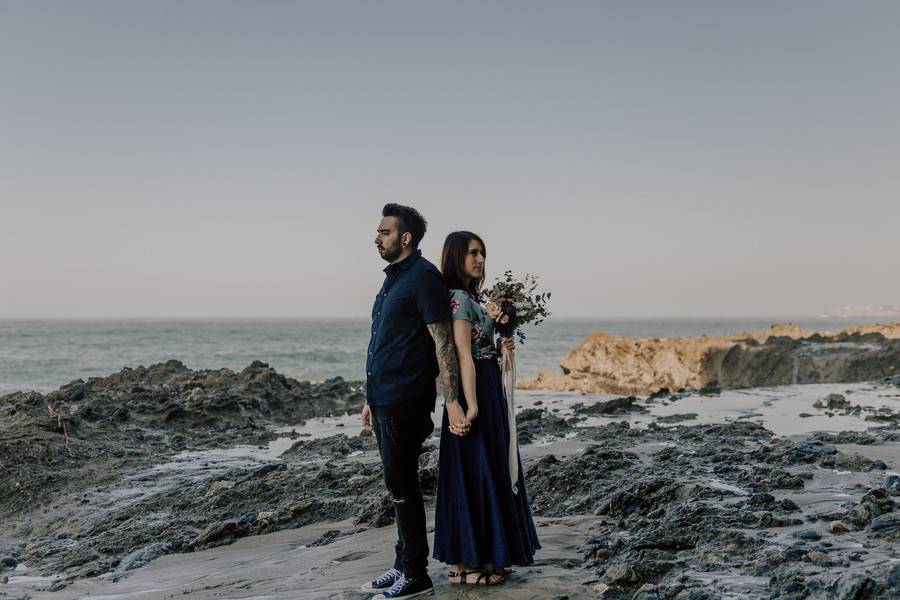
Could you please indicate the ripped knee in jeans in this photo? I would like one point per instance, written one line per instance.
(401, 500)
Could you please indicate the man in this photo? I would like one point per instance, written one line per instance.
(411, 343)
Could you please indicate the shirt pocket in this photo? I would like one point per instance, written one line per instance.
(402, 311)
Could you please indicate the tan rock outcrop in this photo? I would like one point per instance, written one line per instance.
(783, 354)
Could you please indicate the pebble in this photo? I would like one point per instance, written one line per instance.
(808, 534)
(789, 505)
(837, 528)
(816, 557)
(619, 574)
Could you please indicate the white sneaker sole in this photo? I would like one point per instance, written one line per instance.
(367, 588)
(428, 592)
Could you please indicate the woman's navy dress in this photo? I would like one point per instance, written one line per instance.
(478, 518)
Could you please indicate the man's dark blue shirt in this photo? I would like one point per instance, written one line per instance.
(401, 365)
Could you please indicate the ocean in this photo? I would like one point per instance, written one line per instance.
(45, 354)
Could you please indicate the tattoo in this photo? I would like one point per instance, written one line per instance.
(442, 333)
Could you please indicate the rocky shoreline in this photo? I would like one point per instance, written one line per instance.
(660, 496)
(94, 472)
(781, 355)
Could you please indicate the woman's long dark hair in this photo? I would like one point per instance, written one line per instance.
(453, 262)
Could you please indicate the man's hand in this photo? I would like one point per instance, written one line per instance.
(456, 419)
(472, 412)
(367, 417)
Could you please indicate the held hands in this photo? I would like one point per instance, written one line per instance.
(457, 421)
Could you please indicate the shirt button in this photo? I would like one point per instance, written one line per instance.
(370, 372)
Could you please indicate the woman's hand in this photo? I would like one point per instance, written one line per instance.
(508, 343)
(456, 419)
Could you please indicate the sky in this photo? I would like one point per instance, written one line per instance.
(645, 159)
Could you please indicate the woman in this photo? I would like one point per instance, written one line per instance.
(483, 523)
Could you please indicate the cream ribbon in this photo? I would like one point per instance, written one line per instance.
(508, 376)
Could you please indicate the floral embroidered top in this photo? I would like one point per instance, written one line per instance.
(464, 306)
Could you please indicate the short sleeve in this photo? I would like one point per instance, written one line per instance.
(431, 297)
(461, 307)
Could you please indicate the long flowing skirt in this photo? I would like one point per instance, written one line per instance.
(478, 518)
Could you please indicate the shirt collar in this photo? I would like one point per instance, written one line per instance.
(404, 264)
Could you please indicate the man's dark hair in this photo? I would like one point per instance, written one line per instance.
(453, 262)
(408, 219)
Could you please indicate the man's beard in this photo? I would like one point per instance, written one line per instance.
(391, 254)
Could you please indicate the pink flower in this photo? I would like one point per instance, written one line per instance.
(454, 306)
(504, 319)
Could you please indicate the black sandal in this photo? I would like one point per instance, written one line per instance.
(462, 578)
(484, 578)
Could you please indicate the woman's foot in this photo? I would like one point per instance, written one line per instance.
(476, 577)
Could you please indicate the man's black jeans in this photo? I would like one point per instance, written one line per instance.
(401, 429)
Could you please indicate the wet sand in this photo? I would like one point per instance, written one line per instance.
(282, 566)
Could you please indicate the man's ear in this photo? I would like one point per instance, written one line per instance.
(405, 239)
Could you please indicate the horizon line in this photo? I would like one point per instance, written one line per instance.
(756, 317)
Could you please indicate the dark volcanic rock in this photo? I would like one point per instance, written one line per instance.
(874, 503)
(854, 586)
(86, 431)
(616, 406)
(845, 437)
(575, 485)
(892, 484)
(535, 423)
(676, 418)
(336, 445)
(886, 526)
(832, 402)
(711, 389)
(808, 534)
(641, 496)
(219, 533)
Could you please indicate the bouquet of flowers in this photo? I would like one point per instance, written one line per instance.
(512, 304)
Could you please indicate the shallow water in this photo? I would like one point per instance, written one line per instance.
(775, 408)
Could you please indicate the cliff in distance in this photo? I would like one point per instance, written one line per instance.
(781, 355)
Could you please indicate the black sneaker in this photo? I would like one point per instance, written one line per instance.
(389, 578)
(407, 588)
